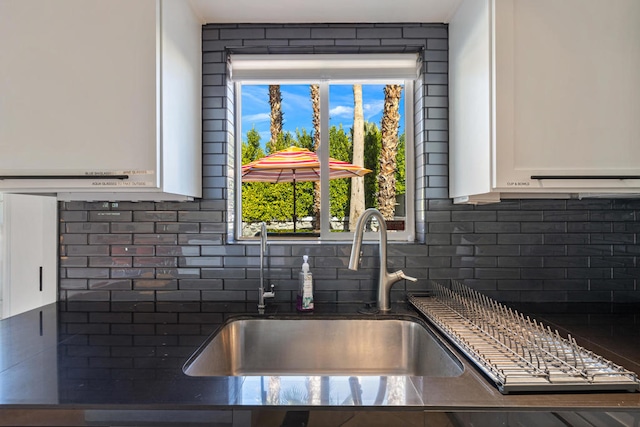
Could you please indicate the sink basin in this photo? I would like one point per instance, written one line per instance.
(323, 346)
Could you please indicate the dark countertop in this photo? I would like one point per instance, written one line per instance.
(101, 355)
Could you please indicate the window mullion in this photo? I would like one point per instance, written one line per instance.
(324, 161)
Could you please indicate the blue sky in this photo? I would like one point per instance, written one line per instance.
(296, 106)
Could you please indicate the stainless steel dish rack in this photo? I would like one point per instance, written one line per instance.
(517, 353)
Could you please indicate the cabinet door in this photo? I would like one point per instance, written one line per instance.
(79, 82)
(30, 252)
(572, 105)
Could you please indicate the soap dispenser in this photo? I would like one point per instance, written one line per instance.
(304, 301)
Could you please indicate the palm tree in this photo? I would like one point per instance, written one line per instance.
(275, 101)
(389, 151)
(315, 105)
(357, 184)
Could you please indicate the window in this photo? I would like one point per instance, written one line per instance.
(310, 103)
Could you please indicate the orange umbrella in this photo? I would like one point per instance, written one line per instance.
(296, 164)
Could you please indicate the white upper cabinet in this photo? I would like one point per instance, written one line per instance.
(101, 99)
(544, 98)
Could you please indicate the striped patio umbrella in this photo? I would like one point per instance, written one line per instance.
(295, 164)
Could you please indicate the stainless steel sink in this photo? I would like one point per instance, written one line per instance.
(323, 346)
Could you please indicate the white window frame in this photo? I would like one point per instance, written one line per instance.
(325, 70)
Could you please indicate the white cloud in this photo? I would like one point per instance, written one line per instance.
(372, 109)
(341, 111)
(256, 118)
(295, 100)
(255, 96)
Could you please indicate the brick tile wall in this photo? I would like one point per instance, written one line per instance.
(519, 250)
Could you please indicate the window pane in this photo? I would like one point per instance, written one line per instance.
(350, 197)
(272, 199)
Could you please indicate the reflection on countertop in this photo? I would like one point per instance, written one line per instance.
(130, 355)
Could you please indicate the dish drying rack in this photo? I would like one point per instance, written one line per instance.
(517, 353)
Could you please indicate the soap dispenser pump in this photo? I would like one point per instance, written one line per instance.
(304, 300)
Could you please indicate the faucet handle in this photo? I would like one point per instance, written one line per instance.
(401, 275)
(271, 293)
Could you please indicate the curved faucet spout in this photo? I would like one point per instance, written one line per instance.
(385, 279)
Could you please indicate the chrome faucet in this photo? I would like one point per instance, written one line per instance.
(263, 249)
(385, 279)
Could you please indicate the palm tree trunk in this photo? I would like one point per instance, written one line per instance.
(315, 104)
(357, 184)
(273, 393)
(275, 101)
(389, 151)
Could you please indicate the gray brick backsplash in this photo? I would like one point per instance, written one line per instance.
(150, 254)
(547, 273)
(131, 250)
(74, 216)
(589, 250)
(155, 262)
(200, 261)
(497, 250)
(175, 227)
(155, 239)
(99, 284)
(287, 33)
(132, 227)
(110, 262)
(201, 284)
(612, 285)
(521, 262)
(379, 33)
(425, 31)
(155, 284)
(223, 273)
(438, 136)
(241, 33)
(76, 239)
(471, 261)
(437, 101)
(67, 284)
(107, 239)
(497, 227)
(147, 216)
(437, 90)
(567, 261)
(177, 273)
(612, 238)
(224, 295)
(131, 273)
(88, 295)
(86, 250)
(111, 216)
(87, 273)
(85, 227)
(543, 227)
(543, 250)
(520, 239)
(542, 204)
(437, 67)
(498, 273)
(477, 216)
(76, 261)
